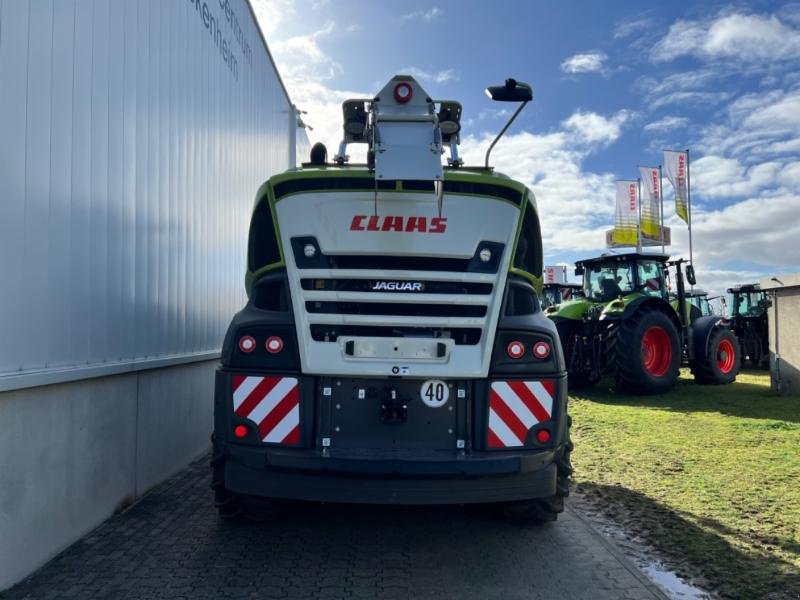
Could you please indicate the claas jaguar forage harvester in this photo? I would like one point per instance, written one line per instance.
(392, 349)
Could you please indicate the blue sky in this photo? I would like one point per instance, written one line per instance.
(614, 84)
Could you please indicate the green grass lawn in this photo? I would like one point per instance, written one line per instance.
(708, 475)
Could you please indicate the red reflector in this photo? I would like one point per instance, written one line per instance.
(541, 349)
(247, 344)
(403, 92)
(240, 431)
(274, 344)
(543, 436)
(515, 350)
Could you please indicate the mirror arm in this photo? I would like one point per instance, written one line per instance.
(502, 131)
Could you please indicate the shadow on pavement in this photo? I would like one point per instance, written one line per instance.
(698, 547)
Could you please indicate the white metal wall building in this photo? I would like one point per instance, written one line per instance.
(133, 138)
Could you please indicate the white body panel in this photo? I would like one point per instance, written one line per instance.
(328, 217)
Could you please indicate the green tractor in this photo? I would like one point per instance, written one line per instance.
(556, 293)
(626, 327)
(696, 304)
(748, 316)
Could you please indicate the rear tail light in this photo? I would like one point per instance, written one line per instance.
(541, 350)
(247, 344)
(515, 350)
(543, 436)
(240, 431)
(274, 344)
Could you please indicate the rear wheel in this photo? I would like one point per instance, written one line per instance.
(542, 510)
(647, 353)
(229, 504)
(722, 359)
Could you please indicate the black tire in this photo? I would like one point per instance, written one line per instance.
(543, 510)
(229, 504)
(717, 366)
(648, 353)
(576, 379)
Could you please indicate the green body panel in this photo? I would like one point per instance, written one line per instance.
(265, 194)
(573, 309)
(576, 309)
(687, 308)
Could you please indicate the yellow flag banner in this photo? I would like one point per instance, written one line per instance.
(676, 167)
(651, 201)
(626, 217)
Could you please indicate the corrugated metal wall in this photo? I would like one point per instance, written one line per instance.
(133, 138)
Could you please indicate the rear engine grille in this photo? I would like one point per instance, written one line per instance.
(431, 297)
(373, 285)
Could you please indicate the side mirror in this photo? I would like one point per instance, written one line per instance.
(511, 91)
(579, 270)
(690, 275)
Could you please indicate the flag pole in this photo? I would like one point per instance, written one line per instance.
(661, 208)
(689, 208)
(689, 205)
(639, 221)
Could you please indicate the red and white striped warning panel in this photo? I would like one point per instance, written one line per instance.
(515, 407)
(273, 403)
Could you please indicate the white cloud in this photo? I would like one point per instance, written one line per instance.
(698, 87)
(585, 62)
(743, 37)
(271, 14)
(423, 15)
(756, 126)
(667, 124)
(301, 57)
(762, 231)
(597, 129)
(718, 177)
(443, 76)
(631, 26)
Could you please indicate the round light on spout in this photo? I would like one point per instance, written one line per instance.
(403, 92)
(485, 255)
(309, 250)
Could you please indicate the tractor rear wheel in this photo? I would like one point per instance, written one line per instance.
(722, 359)
(568, 333)
(647, 353)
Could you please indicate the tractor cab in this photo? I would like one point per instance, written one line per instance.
(748, 315)
(748, 301)
(556, 293)
(696, 303)
(610, 277)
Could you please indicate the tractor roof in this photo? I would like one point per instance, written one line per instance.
(627, 257)
(696, 292)
(747, 287)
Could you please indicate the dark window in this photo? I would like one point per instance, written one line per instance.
(263, 244)
(529, 247)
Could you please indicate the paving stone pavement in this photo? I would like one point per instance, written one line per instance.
(171, 544)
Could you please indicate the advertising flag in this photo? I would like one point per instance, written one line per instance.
(676, 166)
(651, 201)
(626, 220)
(555, 274)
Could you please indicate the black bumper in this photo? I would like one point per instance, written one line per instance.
(390, 478)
